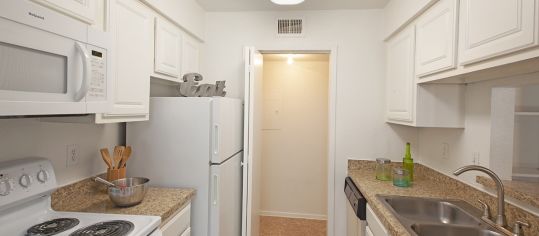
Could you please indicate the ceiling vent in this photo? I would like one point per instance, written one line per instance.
(290, 27)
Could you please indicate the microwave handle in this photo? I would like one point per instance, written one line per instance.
(86, 72)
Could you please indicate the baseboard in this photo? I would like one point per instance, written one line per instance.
(293, 215)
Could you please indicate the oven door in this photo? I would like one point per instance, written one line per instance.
(41, 73)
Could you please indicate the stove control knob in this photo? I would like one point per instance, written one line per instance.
(42, 176)
(5, 187)
(25, 181)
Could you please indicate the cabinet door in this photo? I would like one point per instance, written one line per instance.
(85, 10)
(190, 58)
(132, 29)
(436, 38)
(375, 226)
(168, 42)
(490, 28)
(400, 76)
(187, 232)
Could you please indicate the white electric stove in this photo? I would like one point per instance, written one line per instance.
(25, 207)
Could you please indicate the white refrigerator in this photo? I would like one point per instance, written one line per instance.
(195, 143)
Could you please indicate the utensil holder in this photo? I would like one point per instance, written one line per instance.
(115, 174)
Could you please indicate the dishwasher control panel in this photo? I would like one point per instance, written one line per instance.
(356, 199)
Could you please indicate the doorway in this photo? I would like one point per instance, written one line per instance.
(290, 173)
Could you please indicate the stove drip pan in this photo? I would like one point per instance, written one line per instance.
(107, 228)
(52, 227)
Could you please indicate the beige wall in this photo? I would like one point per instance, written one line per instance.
(295, 138)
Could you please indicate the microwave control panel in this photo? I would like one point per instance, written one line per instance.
(98, 82)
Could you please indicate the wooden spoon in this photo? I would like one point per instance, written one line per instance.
(118, 150)
(106, 157)
(125, 156)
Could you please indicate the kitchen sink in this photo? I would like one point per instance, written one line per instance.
(451, 230)
(437, 217)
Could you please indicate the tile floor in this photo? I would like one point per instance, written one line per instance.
(280, 226)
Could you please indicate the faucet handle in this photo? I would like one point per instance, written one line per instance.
(517, 228)
(485, 208)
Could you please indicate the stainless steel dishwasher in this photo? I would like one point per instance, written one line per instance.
(356, 211)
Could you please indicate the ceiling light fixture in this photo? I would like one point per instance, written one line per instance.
(287, 2)
(290, 59)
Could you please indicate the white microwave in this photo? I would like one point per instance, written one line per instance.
(50, 64)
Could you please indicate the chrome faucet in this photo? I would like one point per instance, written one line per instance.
(500, 218)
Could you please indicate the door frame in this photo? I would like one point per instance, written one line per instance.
(332, 50)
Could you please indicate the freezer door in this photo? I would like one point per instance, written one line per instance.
(225, 197)
(226, 128)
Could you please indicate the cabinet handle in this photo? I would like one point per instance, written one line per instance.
(215, 195)
(216, 139)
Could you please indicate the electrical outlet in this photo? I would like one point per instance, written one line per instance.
(72, 155)
(445, 150)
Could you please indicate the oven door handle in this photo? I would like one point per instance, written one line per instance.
(86, 72)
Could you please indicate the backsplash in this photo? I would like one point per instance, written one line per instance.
(21, 138)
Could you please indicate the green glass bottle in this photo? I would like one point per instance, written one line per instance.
(408, 162)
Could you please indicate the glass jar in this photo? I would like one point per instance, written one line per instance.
(401, 177)
(383, 169)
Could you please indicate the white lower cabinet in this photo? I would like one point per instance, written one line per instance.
(368, 231)
(179, 224)
(374, 225)
(187, 232)
(132, 31)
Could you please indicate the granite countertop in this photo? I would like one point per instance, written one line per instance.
(429, 184)
(527, 192)
(87, 196)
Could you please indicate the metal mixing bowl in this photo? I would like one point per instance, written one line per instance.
(131, 191)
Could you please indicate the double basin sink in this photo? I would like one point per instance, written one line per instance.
(437, 217)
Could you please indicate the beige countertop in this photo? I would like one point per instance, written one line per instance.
(527, 192)
(87, 196)
(427, 183)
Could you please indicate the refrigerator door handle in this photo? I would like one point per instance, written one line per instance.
(215, 192)
(216, 139)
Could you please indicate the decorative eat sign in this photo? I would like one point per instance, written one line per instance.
(190, 87)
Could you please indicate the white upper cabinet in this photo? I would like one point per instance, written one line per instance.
(490, 28)
(190, 55)
(132, 29)
(436, 38)
(84, 10)
(407, 103)
(400, 76)
(168, 53)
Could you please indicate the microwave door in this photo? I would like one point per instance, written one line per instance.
(41, 73)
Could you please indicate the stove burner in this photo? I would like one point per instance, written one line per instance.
(52, 227)
(108, 228)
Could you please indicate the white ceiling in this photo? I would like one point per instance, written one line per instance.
(267, 5)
